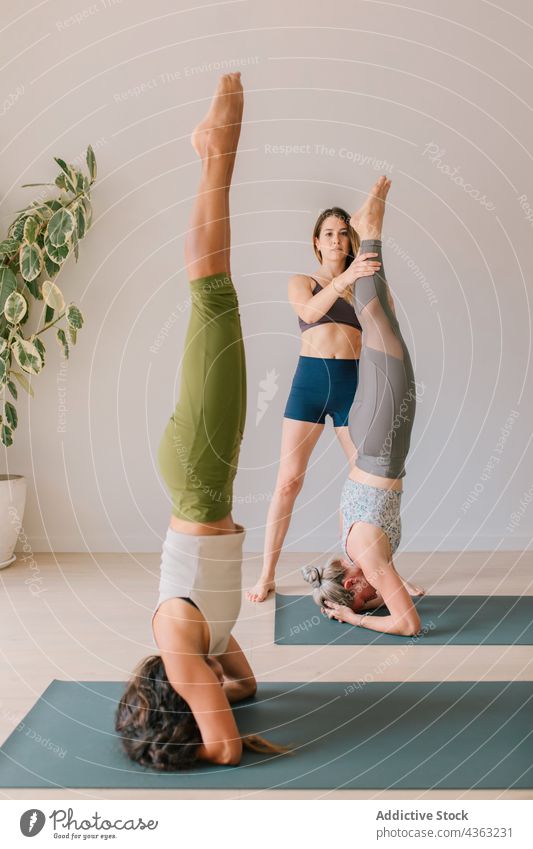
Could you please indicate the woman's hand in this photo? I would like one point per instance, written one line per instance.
(361, 266)
(340, 612)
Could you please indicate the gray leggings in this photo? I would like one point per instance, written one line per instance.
(383, 410)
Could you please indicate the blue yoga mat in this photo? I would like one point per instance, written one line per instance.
(463, 620)
(380, 736)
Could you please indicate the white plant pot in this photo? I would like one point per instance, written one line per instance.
(12, 503)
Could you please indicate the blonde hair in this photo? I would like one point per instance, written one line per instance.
(355, 242)
(327, 582)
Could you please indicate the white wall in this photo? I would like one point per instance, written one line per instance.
(385, 89)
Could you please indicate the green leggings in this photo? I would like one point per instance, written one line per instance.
(199, 450)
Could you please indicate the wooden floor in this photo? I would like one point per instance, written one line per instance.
(87, 616)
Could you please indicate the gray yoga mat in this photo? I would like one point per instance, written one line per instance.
(463, 620)
(379, 735)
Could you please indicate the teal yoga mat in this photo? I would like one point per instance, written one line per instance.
(378, 735)
(464, 620)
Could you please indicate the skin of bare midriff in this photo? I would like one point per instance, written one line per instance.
(221, 526)
(361, 476)
(331, 342)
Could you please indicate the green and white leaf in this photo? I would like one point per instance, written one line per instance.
(23, 382)
(72, 334)
(81, 220)
(74, 317)
(9, 247)
(11, 415)
(8, 284)
(31, 261)
(91, 163)
(16, 230)
(13, 389)
(53, 295)
(80, 180)
(75, 245)
(51, 267)
(27, 355)
(88, 211)
(62, 339)
(3, 345)
(42, 350)
(54, 205)
(42, 211)
(61, 182)
(6, 436)
(57, 254)
(34, 288)
(70, 180)
(32, 226)
(15, 307)
(60, 227)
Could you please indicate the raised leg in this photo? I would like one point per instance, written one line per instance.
(199, 451)
(368, 220)
(215, 139)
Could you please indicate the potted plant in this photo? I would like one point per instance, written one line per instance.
(38, 243)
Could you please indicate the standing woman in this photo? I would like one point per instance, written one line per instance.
(326, 376)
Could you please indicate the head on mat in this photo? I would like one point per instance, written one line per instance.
(157, 726)
(339, 582)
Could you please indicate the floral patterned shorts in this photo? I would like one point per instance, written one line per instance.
(363, 503)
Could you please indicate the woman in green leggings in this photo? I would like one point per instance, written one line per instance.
(177, 707)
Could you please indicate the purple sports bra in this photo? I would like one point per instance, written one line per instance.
(341, 313)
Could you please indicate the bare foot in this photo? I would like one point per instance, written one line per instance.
(368, 221)
(413, 589)
(218, 133)
(261, 591)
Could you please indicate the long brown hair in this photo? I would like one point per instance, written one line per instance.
(354, 238)
(157, 726)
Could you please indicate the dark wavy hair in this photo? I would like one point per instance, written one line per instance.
(157, 726)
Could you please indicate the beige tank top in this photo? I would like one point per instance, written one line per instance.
(207, 570)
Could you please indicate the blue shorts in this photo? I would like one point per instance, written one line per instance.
(322, 387)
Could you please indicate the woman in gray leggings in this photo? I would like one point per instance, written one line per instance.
(380, 423)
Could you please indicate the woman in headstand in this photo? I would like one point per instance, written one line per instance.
(380, 424)
(325, 380)
(177, 707)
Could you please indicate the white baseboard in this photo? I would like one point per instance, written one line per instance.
(254, 543)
